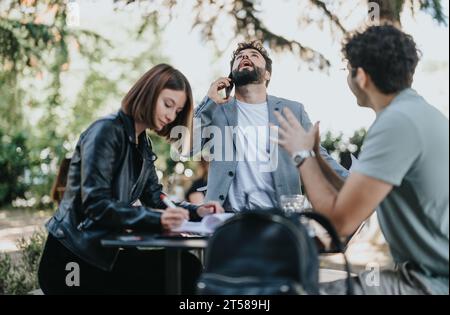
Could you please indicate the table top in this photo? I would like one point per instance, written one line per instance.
(177, 241)
(171, 240)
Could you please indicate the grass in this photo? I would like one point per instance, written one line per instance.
(20, 276)
(18, 270)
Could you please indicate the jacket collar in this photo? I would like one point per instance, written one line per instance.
(144, 142)
(128, 123)
(273, 105)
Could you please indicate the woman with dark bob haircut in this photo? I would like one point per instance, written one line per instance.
(112, 186)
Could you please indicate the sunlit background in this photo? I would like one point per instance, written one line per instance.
(325, 95)
(64, 64)
(67, 63)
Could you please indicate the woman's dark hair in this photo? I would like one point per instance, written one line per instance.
(140, 101)
(387, 54)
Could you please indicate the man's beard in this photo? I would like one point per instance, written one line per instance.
(245, 77)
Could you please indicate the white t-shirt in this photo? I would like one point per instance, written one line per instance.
(252, 186)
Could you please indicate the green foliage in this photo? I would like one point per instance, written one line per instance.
(32, 250)
(343, 149)
(13, 163)
(10, 98)
(357, 140)
(21, 277)
(332, 142)
(22, 43)
(391, 9)
(5, 267)
(34, 54)
(435, 9)
(97, 89)
(249, 23)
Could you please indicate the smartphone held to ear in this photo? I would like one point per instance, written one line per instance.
(228, 89)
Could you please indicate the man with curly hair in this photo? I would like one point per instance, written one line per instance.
(245, 172)
(402, 171)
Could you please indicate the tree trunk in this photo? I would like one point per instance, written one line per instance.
(390, 11)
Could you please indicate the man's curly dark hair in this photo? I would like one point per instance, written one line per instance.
(387, 54)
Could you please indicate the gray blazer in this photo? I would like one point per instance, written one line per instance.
(221, 173)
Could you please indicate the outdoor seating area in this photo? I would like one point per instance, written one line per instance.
(232, 151)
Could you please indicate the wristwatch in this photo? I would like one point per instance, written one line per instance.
(300, 157)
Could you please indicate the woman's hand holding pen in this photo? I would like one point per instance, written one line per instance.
(171, 218)
(174, 216)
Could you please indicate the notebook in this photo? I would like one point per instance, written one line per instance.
(206, 226)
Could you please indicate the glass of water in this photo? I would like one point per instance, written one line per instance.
(292, 203)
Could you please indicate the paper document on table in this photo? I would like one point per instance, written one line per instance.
(206, 226)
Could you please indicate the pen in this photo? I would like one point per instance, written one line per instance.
(167, 201)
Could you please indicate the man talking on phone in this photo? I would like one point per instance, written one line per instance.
(249, 179)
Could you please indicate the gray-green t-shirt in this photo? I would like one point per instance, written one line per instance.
(408, 147)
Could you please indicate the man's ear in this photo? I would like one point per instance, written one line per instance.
(267, 76)
(361, 78)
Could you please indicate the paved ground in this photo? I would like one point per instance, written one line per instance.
(18, 223)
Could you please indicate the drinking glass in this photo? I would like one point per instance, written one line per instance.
(292, 203)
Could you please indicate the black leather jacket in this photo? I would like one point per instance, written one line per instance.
(107, 174)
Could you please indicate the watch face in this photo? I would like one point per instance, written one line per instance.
(298, 159)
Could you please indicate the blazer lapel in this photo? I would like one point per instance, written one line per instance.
(274, 105)
(230, 110)
(231, 113)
